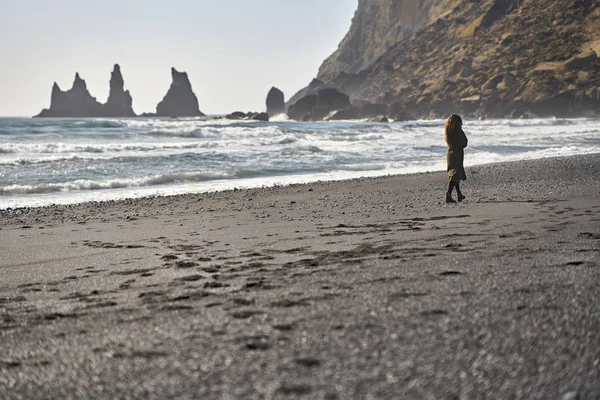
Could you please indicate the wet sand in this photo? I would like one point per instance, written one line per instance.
(363, 289)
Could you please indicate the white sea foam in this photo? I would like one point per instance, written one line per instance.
(17, 153)
(153, 180)
(42, 160)
(279, 118)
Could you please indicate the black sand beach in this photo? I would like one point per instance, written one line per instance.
(363, 289)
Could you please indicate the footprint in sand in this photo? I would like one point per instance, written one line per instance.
(189, 278)
(245, 314)
(255, 343)
(285, 327)
(239, 301)
(590, 235)
(406, 295)
(185, 264)
(288, 303)
(434, 313)
(136, 271)
(215, 285)
(102, 304)
(145, 354)
(308, 362)
(58, 315)
(450, 273)
(295, 389)
(10, 364)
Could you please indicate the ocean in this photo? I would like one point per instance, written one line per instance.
(66, 161)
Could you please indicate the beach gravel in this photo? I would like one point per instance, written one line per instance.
(361, 289)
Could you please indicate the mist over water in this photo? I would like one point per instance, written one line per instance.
(46, 161)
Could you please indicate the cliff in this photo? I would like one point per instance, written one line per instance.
(180, 100)
(489, 58)
(77, 102)
(376, 27)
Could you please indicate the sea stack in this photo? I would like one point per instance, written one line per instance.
(74, 103)
(79, 103)
(275, 102)
(119, 103)
(180, 100)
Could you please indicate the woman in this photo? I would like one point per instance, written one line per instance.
(457, 141)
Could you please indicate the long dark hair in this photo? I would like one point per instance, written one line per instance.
(454, 121)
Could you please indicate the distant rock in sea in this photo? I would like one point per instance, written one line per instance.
(240, 115)
(180, 100)
(275, 102)
(119, 103)
(264, 117)
(237, 115)
(77, 102)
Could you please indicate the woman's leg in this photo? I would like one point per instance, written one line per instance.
(458, 193)
(449, 198)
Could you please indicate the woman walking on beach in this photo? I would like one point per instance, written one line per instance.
(457, 141)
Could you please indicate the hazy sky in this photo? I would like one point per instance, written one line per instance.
(232, 50)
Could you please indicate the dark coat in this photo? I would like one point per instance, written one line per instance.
(457, 141)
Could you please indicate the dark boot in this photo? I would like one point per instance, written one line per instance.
(458, 192)
(449, 198)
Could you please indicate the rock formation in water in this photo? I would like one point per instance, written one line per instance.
(77, 102)
(73, 103)
(237, 115)
(255, 116)
(498, 58)
(119, 103)
(261, 116)
(316, 107)
(180, 100)
(275, 102)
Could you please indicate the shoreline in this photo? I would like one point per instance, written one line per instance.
(132, 168)
(427, 177)
(369, 288)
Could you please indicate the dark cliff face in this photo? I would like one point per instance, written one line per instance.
(495, 58)
(313, 88)
(180, 100)
(77, 102)
(316, 107)
(376, 27)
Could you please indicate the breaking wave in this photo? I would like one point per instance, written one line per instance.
(153, 180)
(86, 158)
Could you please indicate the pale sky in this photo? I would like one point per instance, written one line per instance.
(232, 50)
